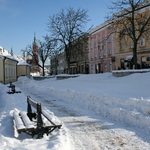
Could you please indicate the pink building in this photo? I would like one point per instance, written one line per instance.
(101, 49)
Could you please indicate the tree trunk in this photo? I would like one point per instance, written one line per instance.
(43, 71)
(135, 55)
(68, 65)
(67, 53)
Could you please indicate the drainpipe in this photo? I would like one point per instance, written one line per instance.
(16, 71)
(26, 70)
(4, 68)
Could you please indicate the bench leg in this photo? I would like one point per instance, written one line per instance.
(29, 111)
(39, 117)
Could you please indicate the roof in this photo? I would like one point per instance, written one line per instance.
(99, 27)
(7, 57)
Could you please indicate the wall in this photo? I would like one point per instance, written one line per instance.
(101, 49)
(10, 70)
(23, 70)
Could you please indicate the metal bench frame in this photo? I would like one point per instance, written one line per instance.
(12, 89)
(36, 117)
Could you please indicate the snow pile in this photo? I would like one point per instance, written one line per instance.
(124, 100)
(9, 102)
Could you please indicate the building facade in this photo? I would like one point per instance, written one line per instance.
(61, 66)
(124, 47)
(79, 62)
(101, 49)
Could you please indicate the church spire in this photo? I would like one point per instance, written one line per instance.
(35, 60)
(34, 42)
(11, 52)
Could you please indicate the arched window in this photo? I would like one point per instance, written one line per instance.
(142, 41)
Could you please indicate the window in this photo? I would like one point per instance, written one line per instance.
(131, 44)
(109, 51)
(148, 58)
(143, 59)
(142, 41)
(109, 40)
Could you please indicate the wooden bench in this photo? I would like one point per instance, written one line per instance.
(12, 89)
(35, 123)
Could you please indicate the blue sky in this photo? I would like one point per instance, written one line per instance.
(20, 19)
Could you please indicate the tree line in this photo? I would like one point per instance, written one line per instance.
(69, 24)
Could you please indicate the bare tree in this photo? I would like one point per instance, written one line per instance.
(45, 51)
(131, 19)
(66, 26)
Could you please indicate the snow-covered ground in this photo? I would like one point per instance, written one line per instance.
(99, 112)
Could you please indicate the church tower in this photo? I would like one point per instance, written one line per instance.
(35, 60)
(35, 52)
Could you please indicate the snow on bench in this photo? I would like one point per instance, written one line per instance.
(18, 121)
(28, 123)
(36, 123)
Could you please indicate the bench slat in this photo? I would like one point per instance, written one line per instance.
(47, 115)
(49, 118)
(26, 120)
(46, 122)
(18, 121)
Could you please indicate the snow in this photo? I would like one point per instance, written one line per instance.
(98, 111)
(132, 71)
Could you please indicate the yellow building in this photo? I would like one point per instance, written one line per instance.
(23, 69)
(124, 47)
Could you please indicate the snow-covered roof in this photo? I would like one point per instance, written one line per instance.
(8, 57)
(99, 27)
(6, 53)
(23, 62)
